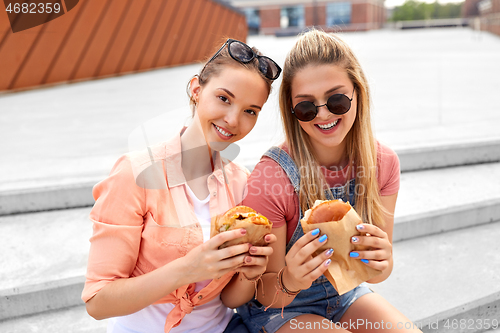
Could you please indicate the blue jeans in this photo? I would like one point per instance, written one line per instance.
(321, 298)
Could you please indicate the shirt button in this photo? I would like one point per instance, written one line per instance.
(214, 194)
(212, 177)
(200, 297)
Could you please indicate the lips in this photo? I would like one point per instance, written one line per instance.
(329, 126)
(223, 133)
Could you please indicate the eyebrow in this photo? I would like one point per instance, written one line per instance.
(326, 93)
(232, 95)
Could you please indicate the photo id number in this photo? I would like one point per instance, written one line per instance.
(33, 8)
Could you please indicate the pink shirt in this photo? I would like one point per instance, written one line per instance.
(271, 193)
(143, 219)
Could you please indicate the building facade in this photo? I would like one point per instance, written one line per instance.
(288, 17)
(485, 14)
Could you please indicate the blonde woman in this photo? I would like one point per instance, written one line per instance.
(329, 152)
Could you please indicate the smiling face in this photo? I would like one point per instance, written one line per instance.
(228, 105)
(328, 131)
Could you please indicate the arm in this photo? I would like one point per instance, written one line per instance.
(380, 239)
(128, 295)
(300, 271)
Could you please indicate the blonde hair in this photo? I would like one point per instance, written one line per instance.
(215, 67)
(319, 48)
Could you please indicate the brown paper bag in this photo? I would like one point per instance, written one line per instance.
(344, 272)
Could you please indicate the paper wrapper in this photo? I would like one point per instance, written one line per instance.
(344, 273)
(255, 232)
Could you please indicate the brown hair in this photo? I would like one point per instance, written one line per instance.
(319, 48)
(214, 68)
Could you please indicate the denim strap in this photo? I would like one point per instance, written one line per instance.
(286, 162)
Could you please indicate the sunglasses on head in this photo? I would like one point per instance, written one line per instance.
(336, 104)
(243, 53)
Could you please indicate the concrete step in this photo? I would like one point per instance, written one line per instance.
(433, 201)
(441, 282)
(448, 282)
(72, 193)
(70, 320)
(44, 258)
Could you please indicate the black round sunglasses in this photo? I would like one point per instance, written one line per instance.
(243, 53)
(337, 104)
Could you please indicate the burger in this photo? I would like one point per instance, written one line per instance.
(243, 217)
(338, 220)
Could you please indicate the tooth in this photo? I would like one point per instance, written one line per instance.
(222, 131)
(329, 125)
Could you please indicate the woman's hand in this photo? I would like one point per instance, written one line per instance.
(256, 261)
(380, 248)
(302, 268)
(207, 261)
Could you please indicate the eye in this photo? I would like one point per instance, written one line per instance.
(223, 98)
(251, 112)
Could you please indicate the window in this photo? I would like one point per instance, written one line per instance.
(292, 17)
(338, 13)
(253, 18)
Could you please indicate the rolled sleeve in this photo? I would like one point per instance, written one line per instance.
(117, 218)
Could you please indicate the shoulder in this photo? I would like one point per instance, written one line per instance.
(385, 153)
(138, 160)
(134, 169)
(387, 159)
(235, 169)
(268, 169)
(388, 169)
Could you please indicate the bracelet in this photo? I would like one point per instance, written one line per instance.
(252, 279)
(282, 287)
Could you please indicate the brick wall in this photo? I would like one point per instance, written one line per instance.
(319, 11)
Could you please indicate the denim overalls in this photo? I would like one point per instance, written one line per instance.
(321, 298)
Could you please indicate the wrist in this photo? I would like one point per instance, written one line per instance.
(285, 284)
(177, 272)
(244, 277)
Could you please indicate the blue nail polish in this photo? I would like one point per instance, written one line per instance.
(329, 252)
(354, 254)
(365, 261)
(327, 262)
(323, 238)
(355, 239)
(315, 232)
(359, 227)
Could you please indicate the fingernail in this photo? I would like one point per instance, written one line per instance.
(329, 252)
(328, 262)
(323, 238)
(243, 231)
(315, 232)
(354, 254)
(365, 261)
(248, 259)
(253, 250)
(268, 238)
(360, 227)
(355, 239)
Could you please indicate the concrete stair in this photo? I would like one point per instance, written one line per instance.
(447, 257)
